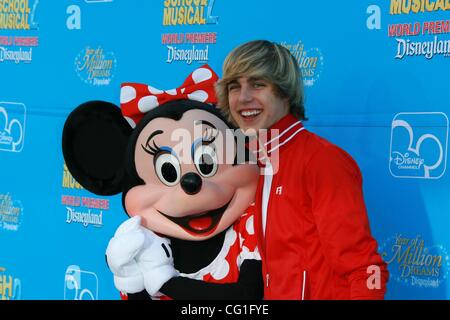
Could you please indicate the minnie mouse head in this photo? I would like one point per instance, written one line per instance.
(168, 152)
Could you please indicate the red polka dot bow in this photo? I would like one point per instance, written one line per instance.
(136, 99)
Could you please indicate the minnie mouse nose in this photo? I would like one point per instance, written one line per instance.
(191, 183)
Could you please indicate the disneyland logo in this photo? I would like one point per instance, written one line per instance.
(84, 218)
(16, 56)
(75, 213)
(11, 212)
(10, 287)
(310, 61)
(187, 55)
(188, 12)
(415, 264)
(95, 67)
(21, 48)
(427, 49)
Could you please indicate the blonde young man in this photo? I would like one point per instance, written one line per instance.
(312, 224)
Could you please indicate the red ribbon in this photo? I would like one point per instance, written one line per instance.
(136, 98)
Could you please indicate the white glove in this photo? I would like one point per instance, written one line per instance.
(121, 252)
(156, 262)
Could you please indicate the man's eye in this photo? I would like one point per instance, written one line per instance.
(259, 84)
(232, 87)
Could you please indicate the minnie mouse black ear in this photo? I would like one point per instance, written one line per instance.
(94, 141)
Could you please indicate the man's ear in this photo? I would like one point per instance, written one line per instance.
(94, 143)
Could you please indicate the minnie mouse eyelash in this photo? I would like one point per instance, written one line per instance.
(153, 150)
(209, 135)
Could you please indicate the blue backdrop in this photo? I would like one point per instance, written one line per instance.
(376, 83)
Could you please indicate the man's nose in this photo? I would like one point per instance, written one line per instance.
(245, 95)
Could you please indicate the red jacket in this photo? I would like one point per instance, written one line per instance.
(317, 242)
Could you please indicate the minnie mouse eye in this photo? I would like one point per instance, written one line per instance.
(167, 168)
(205, 159)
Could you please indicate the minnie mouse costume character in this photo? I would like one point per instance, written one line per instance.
(190, 234)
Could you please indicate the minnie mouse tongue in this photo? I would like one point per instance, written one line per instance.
(201, 223)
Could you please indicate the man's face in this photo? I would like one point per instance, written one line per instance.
(254, 104)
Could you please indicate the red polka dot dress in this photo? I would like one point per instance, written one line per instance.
(240, 244)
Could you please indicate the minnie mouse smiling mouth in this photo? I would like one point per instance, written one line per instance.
(201, 224)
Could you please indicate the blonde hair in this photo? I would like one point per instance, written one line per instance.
(265, 60)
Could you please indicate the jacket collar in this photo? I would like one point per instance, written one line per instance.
(277, 137)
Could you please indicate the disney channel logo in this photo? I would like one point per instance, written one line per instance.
(11, 212)
(418, 147)
(80, 284)
(309, 60)
(95, 66)
(12, 126)
(415, 264)
(10, 287)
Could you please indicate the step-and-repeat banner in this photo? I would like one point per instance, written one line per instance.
(376, 77)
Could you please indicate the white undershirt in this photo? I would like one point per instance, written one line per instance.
(268, 174)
